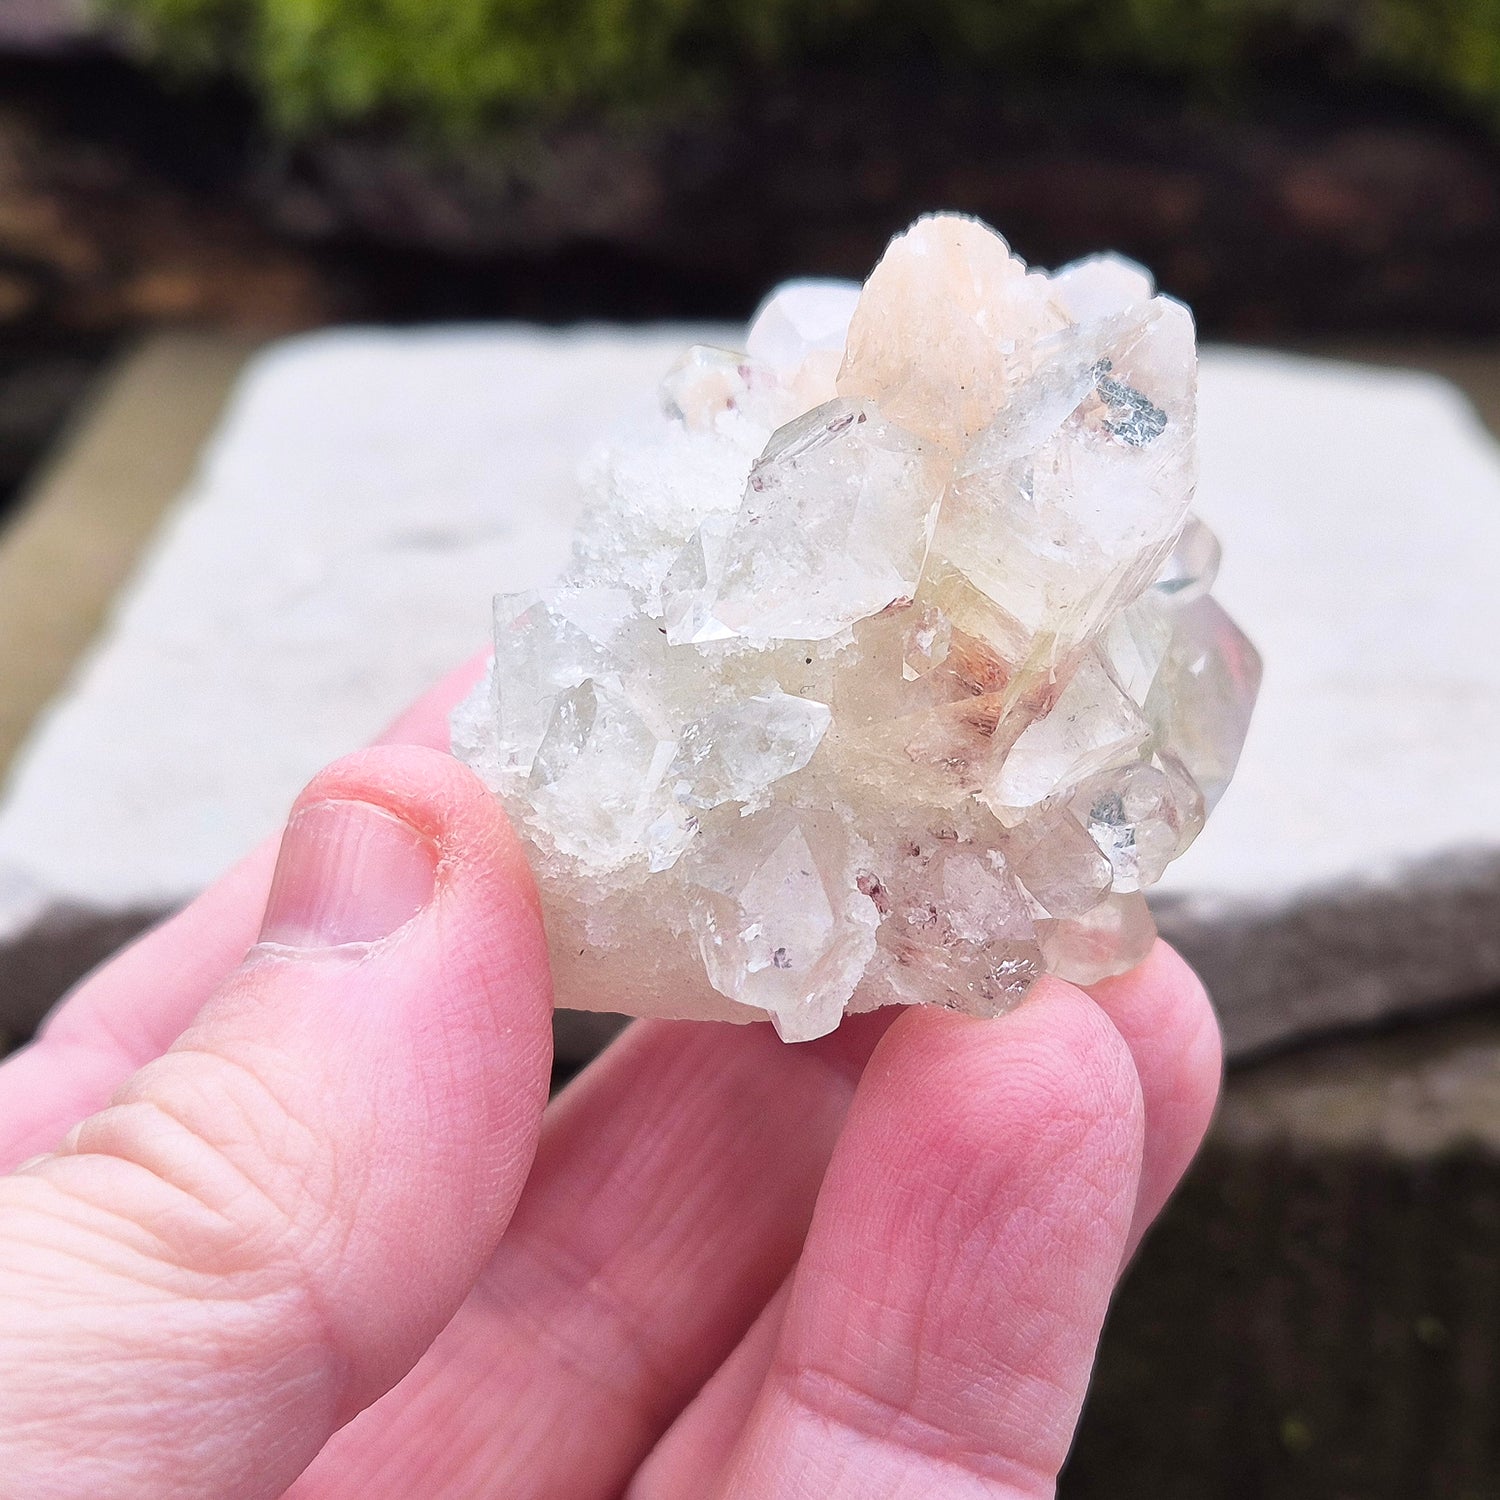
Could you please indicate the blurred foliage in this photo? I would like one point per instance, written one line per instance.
(453, 65)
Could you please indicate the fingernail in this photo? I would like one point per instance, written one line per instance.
(348, 872)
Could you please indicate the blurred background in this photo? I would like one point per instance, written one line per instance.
(184, 180)
(1292, 168)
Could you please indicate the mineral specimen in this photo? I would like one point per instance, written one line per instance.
(885, 670)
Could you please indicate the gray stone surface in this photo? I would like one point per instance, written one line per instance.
(1353, 871)
(369, 491)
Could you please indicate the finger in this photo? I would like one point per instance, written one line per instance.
(128, 1012)
(425, 721)
(1163, 1012)
(945, 1310)
(270, 1222)
(669, 1199)
(132, 1009)
(691, 1456)
(1163, 1015)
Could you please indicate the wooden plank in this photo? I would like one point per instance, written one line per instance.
(77, 535)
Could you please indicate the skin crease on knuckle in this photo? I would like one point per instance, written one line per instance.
(196, 1186)
(124, 1361)
(243, 1183)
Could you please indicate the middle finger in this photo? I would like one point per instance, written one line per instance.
(672, 1190)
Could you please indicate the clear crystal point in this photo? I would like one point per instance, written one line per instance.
(710, 389)
(547, 644)
(1191, 566)
(1133, 817)
(1093, 725)
(1201, 698)
(738, 752)
(835, 525)
(597, 781)
(781, 926)
(957, 930)
(1110, 938)
(1063, 507)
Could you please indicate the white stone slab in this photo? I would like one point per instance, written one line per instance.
(370, 490)
(367, 493)
(1353, 870)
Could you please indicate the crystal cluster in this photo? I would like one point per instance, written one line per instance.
(885, 670)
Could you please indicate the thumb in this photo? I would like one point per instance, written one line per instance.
(267, 1225)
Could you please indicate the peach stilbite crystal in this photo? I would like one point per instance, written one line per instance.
(885, 670)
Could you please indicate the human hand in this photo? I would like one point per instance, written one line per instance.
(316, 1223)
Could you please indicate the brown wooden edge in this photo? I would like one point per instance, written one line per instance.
(86, 517)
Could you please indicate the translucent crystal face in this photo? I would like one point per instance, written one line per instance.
(886, 669)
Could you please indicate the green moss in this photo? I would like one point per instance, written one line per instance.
(454, 64)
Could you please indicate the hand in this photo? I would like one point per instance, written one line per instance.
(309, 1217)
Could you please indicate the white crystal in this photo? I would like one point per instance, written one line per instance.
(800, 331)
(1201, 698)
(1092, 726)
(1109, 938)
(1100, 285)
(835, 525)
(800, 318)
(949, 327)
(886, 670)
(781, 925)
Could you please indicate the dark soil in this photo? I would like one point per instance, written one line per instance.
(1305, 1326)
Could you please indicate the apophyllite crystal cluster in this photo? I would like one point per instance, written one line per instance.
(885, 669)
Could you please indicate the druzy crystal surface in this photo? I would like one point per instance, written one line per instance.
(885, 670)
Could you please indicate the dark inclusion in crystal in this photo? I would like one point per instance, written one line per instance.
(1133, 418)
